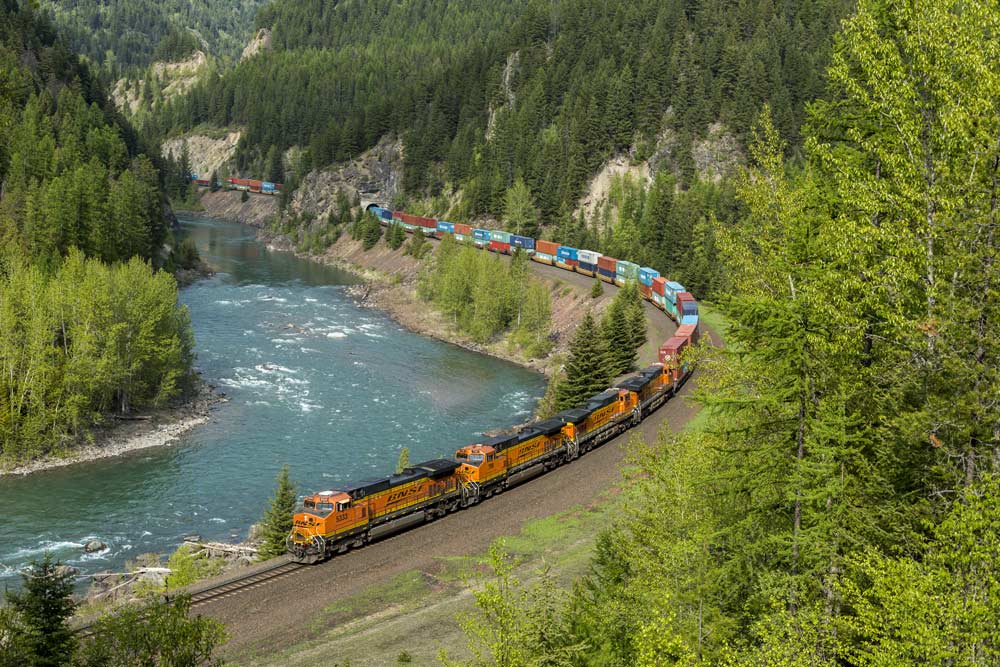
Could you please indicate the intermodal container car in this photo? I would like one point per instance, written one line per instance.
(625, 272)
(659, 300)
(481, 236)
(647, 275)
(464, 230)
(588, 262)
(267, 187)
(525, 242)
(688, 331)
(660, 286)
(670, 356)
(385, 214)
(498, 246)
(444, 227)
(646, 291)
(500, 236)
(606, 268)
(567, 257)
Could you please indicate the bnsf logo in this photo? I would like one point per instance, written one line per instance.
(402, 495)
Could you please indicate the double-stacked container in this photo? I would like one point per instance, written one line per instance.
(659, 292)
(567, 257)
(500, 241)
(687, 309)
(606, 268)
(463, 232)
(671, 289)
(545, 252)
(525, 242)
(481, 237)
(625, 272)
(587, 262)
(646, 277)
(443, 228)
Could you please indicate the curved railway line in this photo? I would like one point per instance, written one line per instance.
(227, 588)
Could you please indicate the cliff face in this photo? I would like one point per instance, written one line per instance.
(205, 153)
(377, 174)
(258, 210)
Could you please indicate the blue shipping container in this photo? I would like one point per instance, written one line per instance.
(607, 273)
(385, 214)
(588, 267)
(481, 234)
(267, 186)
(671, 289)
(690, 319)
(690, 308)
(565, 252)
(525, 242)
(443, 226)
(647, 274)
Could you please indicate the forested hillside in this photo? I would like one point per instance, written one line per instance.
(531, 95)
(78, 338)
(838, 505)
(120, 36)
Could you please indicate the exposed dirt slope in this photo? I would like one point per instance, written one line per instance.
(258, 210)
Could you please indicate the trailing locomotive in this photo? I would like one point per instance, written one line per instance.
(331, 522)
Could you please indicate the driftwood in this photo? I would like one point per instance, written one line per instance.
(223, 550)
(133, 418)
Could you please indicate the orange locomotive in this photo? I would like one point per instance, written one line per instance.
(332, 522)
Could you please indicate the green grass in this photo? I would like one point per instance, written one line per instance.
(714, 319)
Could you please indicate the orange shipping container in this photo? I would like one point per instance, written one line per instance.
(547, 247)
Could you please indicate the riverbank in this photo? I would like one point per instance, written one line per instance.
(155, 428)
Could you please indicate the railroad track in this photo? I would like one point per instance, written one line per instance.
(280, 568)
(248, 581)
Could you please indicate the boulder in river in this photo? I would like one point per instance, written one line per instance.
(67, 571)
(94, 546)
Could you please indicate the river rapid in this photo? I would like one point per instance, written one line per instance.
(314, 381)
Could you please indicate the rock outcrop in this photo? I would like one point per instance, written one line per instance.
(206, 154)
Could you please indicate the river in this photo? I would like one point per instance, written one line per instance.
(315, 381)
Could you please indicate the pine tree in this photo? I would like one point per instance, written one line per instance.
(42, 610)
(597, 290)
(587, 369)
(618, 334)
(278, 521)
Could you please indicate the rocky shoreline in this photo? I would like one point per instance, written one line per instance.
(154, 429)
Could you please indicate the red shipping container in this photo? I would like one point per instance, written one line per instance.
(660, 285)
(688, 332)
(430, 223)
(398, 215)
(671, 350)
(684, 296)
(646, 290)
(547, 247)
(607, 263)
(497, 246)
(464, 230)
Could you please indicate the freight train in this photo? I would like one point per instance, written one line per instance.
(331, 522)
(246, 184)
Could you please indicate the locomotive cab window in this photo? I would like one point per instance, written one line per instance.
(476, 459)
(343, 505)
(325, 507)
(309, 503)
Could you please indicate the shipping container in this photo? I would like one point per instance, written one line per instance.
(543, 258)
(565, 252)
(525, 242)
(588, 256)
(606, 275)
(586, 268)
(607, 263)
(464, 230)
(268, 188)
(398, 215)
(385, 214)
(481, 235)
(691, 320)
(689, 332)
(547, 247)
(445, 227)
(671, 308)
(646, 291)
(659, 286)
(497, 246)
(671, 290)
(659, 300)
(500, 236)
(647, 275)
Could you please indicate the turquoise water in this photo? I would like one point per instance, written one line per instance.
(314, 381)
